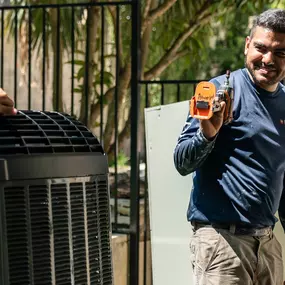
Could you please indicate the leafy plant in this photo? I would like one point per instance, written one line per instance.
(122, 160)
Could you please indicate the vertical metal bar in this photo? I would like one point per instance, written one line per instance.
(146, 96)
(16, 57)
(116, 113)
(44, 61)
(135, 107)
(145, 225)
(30, 60)
(72, 60)
(86, 75)
(145, 200)
(162, 94)
(58, 58)
(102, 71)
(178, 93)
(2, 48)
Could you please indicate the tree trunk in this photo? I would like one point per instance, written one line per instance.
(109, 139)
(145, 41)
(124, 134)
(92, 29)
(95, 107)
(109, 134)
(123, 86)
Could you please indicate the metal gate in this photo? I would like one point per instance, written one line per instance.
(49, 55)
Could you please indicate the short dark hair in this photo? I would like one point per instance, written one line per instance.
(272, 19)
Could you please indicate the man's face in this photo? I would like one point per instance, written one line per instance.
(265, 57)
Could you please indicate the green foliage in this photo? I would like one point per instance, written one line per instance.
(210, 36)
(230, 39)
(107, 77)
(204, 60)
(227, 52)
(213, 47)
(122, 160)
(125, 30)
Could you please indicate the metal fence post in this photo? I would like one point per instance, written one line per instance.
(135, 108)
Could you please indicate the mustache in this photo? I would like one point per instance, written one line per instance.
(270, 66)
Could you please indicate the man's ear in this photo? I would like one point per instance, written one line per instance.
(247, 42)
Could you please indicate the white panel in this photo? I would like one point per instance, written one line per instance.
(169, 194)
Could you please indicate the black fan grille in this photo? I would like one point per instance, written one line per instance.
(104, 232)
(40, 232)
(59, 234)
(78, 215)
(35, 132)
(99, 246)
(17, 234)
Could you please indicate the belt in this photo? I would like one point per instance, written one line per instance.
(234, 228)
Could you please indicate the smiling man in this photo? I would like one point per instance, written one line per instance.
(265, 55)
(238, 168)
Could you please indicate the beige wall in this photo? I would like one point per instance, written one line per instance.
(120, 252)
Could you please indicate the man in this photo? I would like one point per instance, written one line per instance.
(239, 168)
(6, 104)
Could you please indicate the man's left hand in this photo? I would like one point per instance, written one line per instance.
(6, 104)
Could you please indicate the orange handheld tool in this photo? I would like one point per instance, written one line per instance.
(206, 100)
(201, 104)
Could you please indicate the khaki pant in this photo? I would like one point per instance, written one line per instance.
(222, 258)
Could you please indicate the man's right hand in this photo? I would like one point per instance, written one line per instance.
(211, 127)
(6, 104)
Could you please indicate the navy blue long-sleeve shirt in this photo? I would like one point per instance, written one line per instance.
(239, 175)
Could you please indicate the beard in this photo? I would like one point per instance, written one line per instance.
(257, 66)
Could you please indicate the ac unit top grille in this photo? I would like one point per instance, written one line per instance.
(36, 132)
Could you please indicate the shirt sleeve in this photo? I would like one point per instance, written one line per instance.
(192, 147)
(281, 210)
